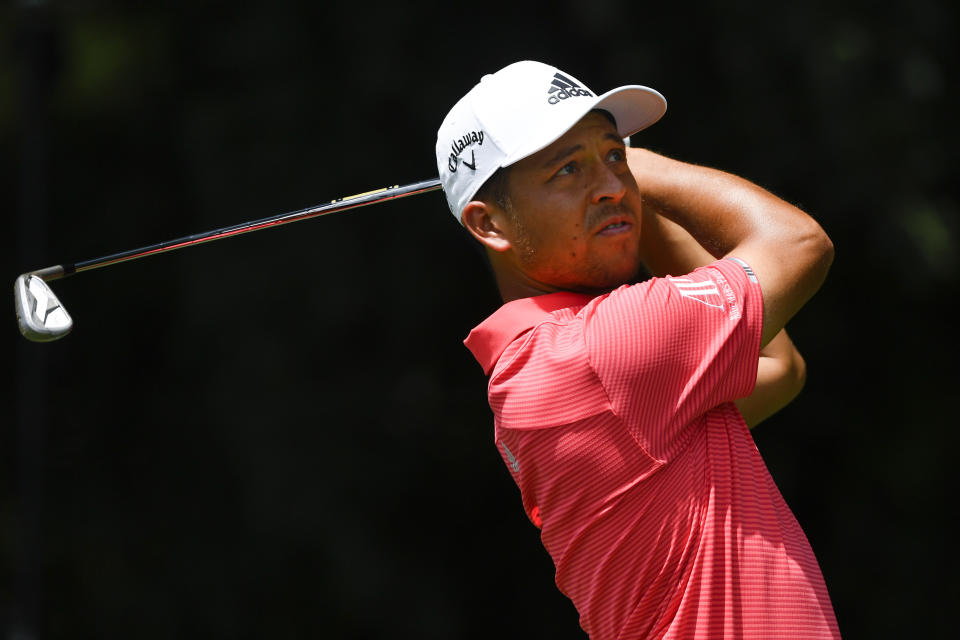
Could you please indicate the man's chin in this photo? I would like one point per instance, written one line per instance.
(613, 281)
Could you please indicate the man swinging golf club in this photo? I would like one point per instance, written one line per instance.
(622, 407)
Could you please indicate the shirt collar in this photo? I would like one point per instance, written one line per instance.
(492, 336)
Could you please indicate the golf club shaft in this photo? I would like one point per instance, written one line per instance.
(343, 204)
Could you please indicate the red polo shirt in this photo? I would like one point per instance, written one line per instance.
(614, 415)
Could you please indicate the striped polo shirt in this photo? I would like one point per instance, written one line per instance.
(614, 416)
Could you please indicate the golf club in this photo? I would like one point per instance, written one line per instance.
(42, 318)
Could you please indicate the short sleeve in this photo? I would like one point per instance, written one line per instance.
(670, 349)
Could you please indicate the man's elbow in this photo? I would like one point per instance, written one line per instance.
(796, 375)
(818, 249)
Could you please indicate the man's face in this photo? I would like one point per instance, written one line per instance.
(575, 209)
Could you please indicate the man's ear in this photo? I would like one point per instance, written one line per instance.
(488, 224)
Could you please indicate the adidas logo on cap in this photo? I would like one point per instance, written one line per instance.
(562, 87)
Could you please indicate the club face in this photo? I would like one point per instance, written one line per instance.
(39, 313)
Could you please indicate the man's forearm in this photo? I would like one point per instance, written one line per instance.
(781, 374)
(720, 210)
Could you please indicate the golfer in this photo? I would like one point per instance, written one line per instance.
(622, 406)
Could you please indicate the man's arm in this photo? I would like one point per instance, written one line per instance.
(667, 248)
(781, 373)
(788, 251)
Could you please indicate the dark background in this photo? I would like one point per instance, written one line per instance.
(282, 435)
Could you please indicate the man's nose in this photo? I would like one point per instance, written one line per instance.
(608, 187)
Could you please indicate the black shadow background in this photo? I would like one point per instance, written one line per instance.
(282, 436)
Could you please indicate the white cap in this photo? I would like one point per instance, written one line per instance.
(518, 111)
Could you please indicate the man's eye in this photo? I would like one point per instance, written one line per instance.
(617, 155)
(567, 169)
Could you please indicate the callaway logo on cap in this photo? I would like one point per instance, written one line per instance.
(518, 111)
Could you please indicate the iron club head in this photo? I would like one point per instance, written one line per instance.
(41, 316)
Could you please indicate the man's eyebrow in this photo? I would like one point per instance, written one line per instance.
(567, 151)
(560, 155)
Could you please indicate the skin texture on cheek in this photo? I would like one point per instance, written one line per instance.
(524, 246)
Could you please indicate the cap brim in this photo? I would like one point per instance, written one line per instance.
(634, 107)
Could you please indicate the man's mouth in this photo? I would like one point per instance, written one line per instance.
(611, 220)
(615, 227)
